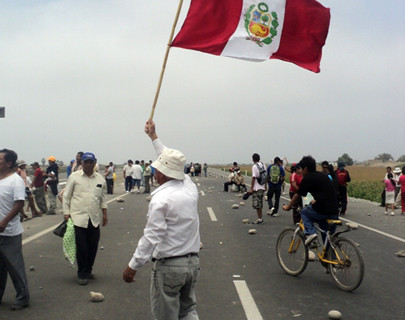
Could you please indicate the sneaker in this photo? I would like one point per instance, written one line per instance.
(392, 213)
(275, 214)
(310, 237)
(386, 212)
(258, 221)
(82, 282)
(270, 212)
(16, 307)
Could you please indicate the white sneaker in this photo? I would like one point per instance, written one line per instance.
(386, 212)
(270, 211)
(310, 238)
(392, 213)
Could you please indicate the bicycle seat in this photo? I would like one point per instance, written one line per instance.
(331, 221)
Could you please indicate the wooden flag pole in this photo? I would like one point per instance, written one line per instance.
(165, 60)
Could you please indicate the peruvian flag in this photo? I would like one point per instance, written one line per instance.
(290, 30)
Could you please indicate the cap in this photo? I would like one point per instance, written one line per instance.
(51, 158)
(21, 163)
(88, 156)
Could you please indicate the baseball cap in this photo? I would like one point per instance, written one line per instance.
(51, 158)
(88, 156)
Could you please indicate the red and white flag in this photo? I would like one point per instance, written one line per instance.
(290, 30)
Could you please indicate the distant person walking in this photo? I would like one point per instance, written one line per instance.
(147, 175)
(52, 180)
(276, 175)
(127, 172)
(12, 197)
(401, 181)
(343, 178)
(390, 185)
(39, 188)
(257, 189)
(109, 177)
(77, 165)
(22, 172)
(388, 170)
(137, 176)
(69, 168)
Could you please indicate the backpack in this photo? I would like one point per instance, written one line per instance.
(341, 177)
(262, 178)
(274, 174)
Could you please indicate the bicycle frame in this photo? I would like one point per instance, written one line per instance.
(328, 241)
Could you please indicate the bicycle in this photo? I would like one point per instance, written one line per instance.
(340, 256)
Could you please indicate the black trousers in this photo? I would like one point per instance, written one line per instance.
(227, 184)
(110, 184)
(86, 249)
(342, 199)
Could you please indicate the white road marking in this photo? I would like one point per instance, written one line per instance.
(40, 234)
(203, 193)
(375, 230)
(212, 214)
(368, 228)
(35, 236)
(248, 304)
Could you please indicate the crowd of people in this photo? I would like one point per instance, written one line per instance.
(171, 237)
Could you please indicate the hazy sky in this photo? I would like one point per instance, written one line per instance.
(81, 75)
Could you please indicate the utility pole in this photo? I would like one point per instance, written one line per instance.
(2, 112)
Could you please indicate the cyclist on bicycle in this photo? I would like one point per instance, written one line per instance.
(324, 206)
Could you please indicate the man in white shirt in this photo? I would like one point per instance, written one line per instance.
(12, 197)
(171, 237)
(136, 175)
(83, 201)
(127, 172)
(257, 189)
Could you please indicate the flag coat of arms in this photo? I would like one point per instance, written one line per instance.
(290, 30)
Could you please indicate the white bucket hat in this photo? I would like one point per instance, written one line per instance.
(171, 163)
(397, 170)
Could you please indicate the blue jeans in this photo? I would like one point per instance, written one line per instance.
(309, 216)
(128, 183)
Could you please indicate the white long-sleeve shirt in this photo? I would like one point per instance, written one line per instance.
(173, 224)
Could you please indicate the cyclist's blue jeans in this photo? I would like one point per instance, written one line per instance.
(309, 216)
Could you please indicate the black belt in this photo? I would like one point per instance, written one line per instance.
(188, 255)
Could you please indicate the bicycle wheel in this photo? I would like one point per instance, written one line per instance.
(348, 273)
(292, 254)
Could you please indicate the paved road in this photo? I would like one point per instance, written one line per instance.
(240, 277)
